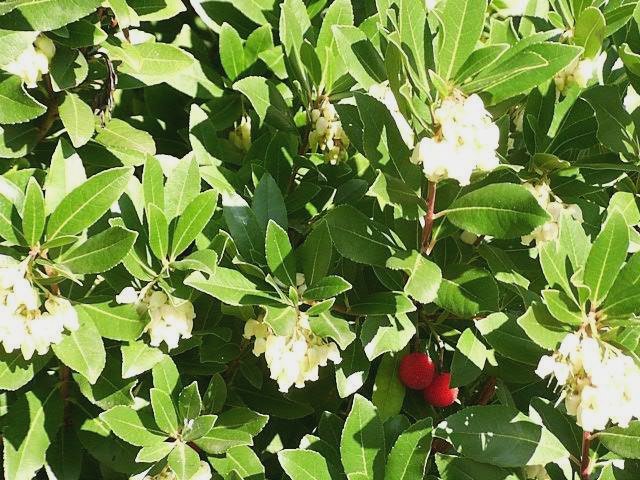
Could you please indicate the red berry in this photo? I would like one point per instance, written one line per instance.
(439, 393)
(416, 370)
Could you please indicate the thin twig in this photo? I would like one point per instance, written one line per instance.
(585, 464)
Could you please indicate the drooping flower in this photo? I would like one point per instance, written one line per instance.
(26, 324)
(241, 135)
(599, 382)
(170, 320)
(466, 140)
(326, 133)
(33, 62)
(554, 207)
(292, 359)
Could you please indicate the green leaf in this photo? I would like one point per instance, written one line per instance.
(408, 457)
(606, 257)
(505, 335)
(541, 327)
(467, 291)
(281, 319)
(156, 10)
(502, 210)
(624, 296)
(386, 333)
(501, 436)
(16, 372)
(33, 213)
(113, 321)
(65, 173)
(192, 221)
(68, 69)
(44, 15)
(158, 231)
(85, 204)
(154, 453)
(424, 275)
(153, 183)
(563, 308)
(198, 428)
(389, 190)
(240, 459)
(362, 446)
(315, 254)
(231, 51)
(388, 392)
(138, 357)
(622, 441)
(304, 465)
(136, 427)
(268, 203)
(244, 228)
(327, 325)
(267, 101)
(280, 257)
(166, 376)
(327, 287)
(35, 417)
(16, 105)
(469, 358)
(164, 411)
(231, 287)
(462, 23)
(613, 120)
(82, 349)
(358, 238)
(183, 185)
(365, 63)
(339, 12)
(352, 372)
(77, 118)
(151, 62)
(383, 303)
(294, 22)
(590, 31)
(110, 389)
(184, 461)
(189, 402)
(100, 252)
(454, 468)
(129, 144)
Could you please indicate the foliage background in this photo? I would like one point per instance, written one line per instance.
(140, 99)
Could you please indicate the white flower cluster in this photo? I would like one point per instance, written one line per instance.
(33, 62)
(203, 473)
(24, 324)
(327, 134)
(554, 207)
(241, 135)
(578, 72)
(600, 383)
(466, 140)
(631, 100)
(383, 92)
(169, 322)
(293, 359)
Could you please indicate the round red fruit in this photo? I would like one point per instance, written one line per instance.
(439, 393)
(416, 370)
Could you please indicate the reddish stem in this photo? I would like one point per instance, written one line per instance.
(428, 218)
(585, 464)
(487, 392)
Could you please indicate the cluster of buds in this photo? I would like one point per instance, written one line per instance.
(383, 92)
(169, 322)
(326, 133)
(466, 140)
(579, 73)
(24, 324)
(555, 208)
(240, 136)
(33, 62)
(599, 382)
(292, 359)
(203, 473)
